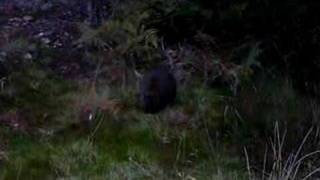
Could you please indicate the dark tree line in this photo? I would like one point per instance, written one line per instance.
(288, 32)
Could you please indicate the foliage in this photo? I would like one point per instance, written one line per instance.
(35, 93)
(93, 130)
(15, 55)
(285, 166)
(127, 40)
(126, 145)
(289, 41)
(255, 112)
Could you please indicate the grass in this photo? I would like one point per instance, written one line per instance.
(285, 167)
(92, 131)
(126, 143)
(200, 137)
(96, 131)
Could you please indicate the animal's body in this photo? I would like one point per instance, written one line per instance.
(158, 89)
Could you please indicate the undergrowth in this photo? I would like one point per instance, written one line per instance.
(129, 144)
(52, 127)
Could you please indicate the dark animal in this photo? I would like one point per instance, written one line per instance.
(157, 89)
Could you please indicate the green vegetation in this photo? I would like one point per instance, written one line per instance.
(129, 144)
(247, 104)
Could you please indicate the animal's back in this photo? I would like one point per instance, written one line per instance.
(157, 89)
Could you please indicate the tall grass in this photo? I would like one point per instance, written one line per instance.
(284, 166)
(127, 144)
